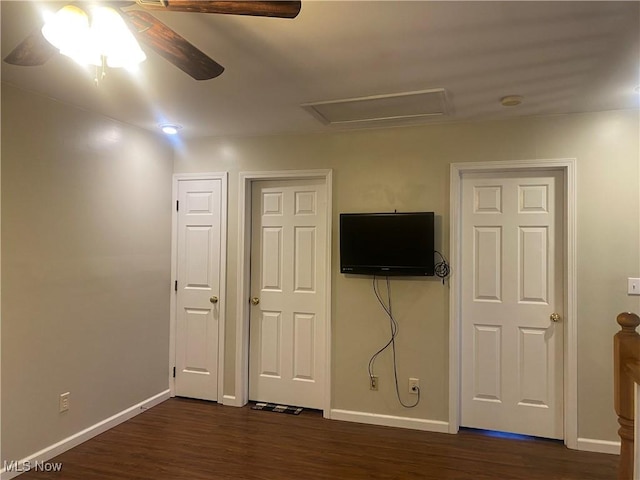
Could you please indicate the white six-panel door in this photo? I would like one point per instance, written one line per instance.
(287, 326)
(512, 351)
(198, 302)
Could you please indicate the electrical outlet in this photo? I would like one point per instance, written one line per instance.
(373, 382)
(414, 386)
(64, 402)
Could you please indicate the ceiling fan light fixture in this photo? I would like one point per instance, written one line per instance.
(67, 28)
(112, 38)
(89, 40)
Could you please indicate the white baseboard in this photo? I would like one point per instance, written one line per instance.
(585, 444)
(390, 421)
(598, 446)
(88, 433)
(230, 400)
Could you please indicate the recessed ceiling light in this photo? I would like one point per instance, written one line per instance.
(170, 128)
(511, 100)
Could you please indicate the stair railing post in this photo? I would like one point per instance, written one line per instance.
(626, 349)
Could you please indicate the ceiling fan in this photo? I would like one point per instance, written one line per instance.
(36, 50)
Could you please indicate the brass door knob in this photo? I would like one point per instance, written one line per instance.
(554, 317)
(255, 301)
(213, 299)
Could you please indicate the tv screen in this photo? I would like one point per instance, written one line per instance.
(387, 243)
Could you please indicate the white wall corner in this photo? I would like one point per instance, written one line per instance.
(47, 453)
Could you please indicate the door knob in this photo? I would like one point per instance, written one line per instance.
(554, 317)
(213, 299)
(255, 301)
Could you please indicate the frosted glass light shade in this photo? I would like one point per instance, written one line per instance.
(67, 28)
(112, 38)
(71, 32)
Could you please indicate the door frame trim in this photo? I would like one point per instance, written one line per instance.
(177, 177)
(246, 180)
(568, 168)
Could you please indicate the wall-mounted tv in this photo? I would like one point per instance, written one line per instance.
(387, 243)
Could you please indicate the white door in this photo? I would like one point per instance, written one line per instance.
(287, 334)
(198, 302)
(512, 257)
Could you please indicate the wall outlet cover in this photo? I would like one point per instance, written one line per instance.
(64, 402)
(414, 386)
(373, 382)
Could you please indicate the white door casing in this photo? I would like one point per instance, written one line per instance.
(567, 167)
(246, 179)
(512, 353)
(287, 344)
(198, 298)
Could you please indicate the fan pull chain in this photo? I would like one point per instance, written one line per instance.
(96, 79)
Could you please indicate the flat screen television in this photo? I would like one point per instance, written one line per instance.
(387, 243)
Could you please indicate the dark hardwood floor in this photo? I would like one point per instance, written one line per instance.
(188, 439)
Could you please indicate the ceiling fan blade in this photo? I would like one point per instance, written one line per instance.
(167, 43)
(281, 9)
(34, 50)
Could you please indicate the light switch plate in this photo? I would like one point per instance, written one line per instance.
(634, 286)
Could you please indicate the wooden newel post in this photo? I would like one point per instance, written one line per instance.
(626, 351)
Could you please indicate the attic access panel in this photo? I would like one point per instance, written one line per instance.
(397, 106)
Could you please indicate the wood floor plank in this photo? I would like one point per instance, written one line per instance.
(193, 440)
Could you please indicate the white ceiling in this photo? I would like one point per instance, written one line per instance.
(563, 57)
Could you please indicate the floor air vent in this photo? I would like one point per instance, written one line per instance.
(381, 108)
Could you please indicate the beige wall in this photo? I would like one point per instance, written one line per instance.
(408, 169)
(86, 235)
(86, 214)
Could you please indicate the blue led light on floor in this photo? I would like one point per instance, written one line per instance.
(510, 436)
(507, 435)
